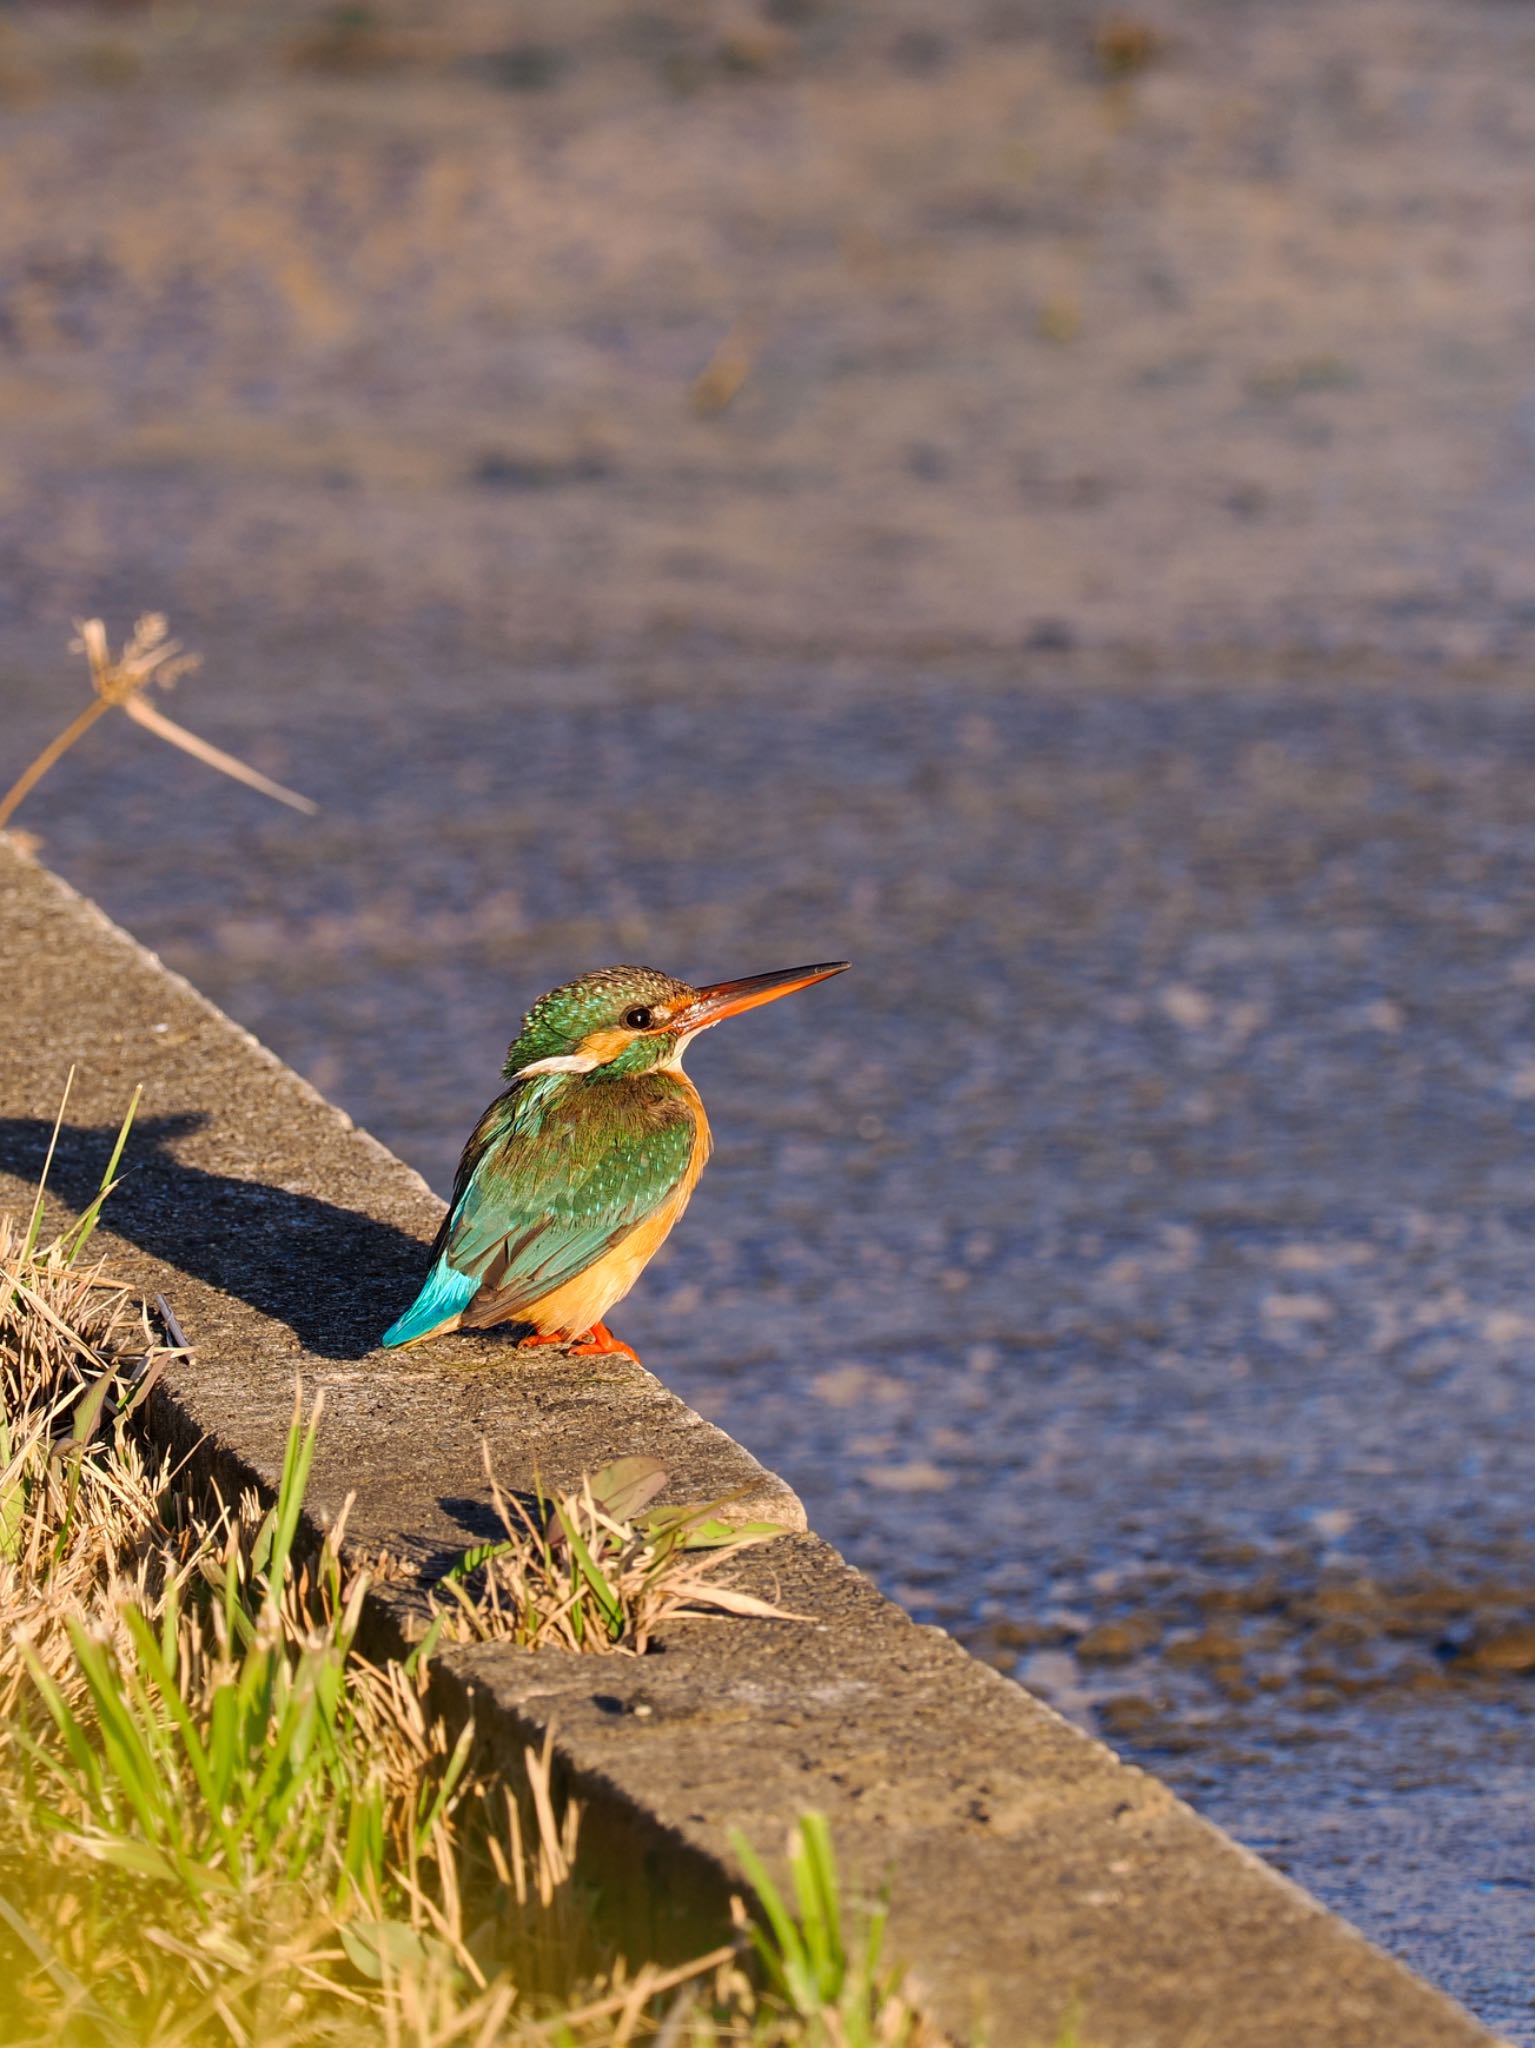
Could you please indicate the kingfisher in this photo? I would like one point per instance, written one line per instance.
(572, 1179)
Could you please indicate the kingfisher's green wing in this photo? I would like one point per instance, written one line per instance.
(550, 1181)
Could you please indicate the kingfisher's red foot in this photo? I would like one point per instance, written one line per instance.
(599, 1342)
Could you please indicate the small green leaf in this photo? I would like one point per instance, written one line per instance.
(628, 1485)
(710, 1533)
(123, 1853)
(89, 1407)
(373, 1945)
(474, 1557)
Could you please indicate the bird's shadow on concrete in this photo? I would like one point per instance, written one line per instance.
(334, 1276)
(478, 1517)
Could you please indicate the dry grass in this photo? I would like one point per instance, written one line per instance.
(79, 1530)
(592, 1570)
(220, 1824)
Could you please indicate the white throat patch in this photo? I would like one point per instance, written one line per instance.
(674, 1064)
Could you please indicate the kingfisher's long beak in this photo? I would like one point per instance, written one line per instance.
(724, 999)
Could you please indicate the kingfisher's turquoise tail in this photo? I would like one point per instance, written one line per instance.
(443, 1295)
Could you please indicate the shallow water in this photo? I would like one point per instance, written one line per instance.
(1130, 1262)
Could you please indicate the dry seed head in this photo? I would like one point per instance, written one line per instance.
(148, 656)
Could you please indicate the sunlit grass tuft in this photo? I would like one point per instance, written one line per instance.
(827, 1978)
(597, 1568)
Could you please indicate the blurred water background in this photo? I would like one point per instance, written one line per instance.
(1036, 500)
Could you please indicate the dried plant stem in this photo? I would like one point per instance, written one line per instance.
(648, 1984)
(148, 656)
(155, 721)
(29, 778)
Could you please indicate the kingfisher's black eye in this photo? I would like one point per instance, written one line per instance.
(637, 1019)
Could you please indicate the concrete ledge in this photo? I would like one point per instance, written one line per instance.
(1031, 1871)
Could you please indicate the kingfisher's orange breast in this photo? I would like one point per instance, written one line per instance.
(579, 1304)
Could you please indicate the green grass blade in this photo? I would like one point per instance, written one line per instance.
(127, 1750)
(29, 1244)
(453, 1771)
(81, 1754)
(67, 1512)
(783, 1956)
(298, 1459)
(193, 1748)
(814, 1869)
(77, 1238)
(471, 1559)
(591, 1571)
(425, 1650)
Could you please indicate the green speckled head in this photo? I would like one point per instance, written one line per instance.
(600, 1015)
(627, 1020)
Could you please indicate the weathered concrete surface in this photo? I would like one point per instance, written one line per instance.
(285, 1240)
(1030, 1870)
